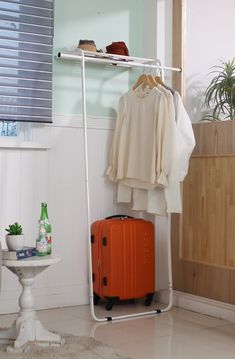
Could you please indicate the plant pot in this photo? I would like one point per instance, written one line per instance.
(15, 242)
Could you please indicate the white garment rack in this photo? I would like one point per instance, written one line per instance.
(120, 61)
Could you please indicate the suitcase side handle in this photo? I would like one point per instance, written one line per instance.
(121, 216)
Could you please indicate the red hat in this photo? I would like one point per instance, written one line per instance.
(118, 48)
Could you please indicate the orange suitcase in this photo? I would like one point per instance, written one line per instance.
(123, 259)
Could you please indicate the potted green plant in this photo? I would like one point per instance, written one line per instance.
(14, 237)
(220, 94)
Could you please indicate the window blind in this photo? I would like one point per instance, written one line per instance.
(26, 44)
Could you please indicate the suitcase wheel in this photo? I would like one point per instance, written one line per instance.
(148, 299)
(109, 306)
(96, 299)
(110, 302)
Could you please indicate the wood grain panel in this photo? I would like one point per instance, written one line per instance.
(208, 226)
(212, 165)
(200, 279)
(214, 138)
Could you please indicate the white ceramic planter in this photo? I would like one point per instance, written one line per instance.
(15, 242)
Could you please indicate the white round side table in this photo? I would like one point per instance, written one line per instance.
(27, 327)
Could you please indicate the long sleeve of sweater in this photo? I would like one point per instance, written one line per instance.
(113, 158)
(166, 140)
(185, 136)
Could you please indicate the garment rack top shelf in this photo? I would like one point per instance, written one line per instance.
(112, 59)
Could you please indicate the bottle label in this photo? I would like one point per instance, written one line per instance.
(41, 242)
(47, 225)
(41, 247)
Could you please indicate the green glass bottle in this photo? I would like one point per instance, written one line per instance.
(44, 217)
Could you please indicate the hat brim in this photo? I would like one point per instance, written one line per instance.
(87, 47)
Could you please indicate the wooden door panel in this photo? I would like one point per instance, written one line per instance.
(208, 226)
(203, 238)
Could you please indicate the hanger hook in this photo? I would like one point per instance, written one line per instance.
(152, 72)
(144, 69)
(159, 68)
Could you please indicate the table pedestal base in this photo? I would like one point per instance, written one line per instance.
(27, 328)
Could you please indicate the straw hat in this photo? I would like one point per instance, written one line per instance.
(87, 45)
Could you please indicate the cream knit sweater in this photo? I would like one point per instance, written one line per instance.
(143, 143)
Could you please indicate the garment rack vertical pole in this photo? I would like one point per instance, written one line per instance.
(124, 61)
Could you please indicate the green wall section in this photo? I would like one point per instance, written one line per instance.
(103, 21)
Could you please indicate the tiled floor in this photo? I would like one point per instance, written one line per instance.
(178, 334)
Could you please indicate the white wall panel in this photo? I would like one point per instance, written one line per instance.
(67, 203)
(33, 190)
(12, 171)
(56, 176)
(10, 199)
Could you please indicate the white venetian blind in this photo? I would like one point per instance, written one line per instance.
(26, 40)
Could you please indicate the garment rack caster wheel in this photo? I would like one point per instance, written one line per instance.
(148, 299)
(96, 299)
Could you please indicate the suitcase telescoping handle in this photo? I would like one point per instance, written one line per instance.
(121, 216)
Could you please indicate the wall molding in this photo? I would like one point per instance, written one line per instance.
(66, 296)
(76, 121)
(10, 143)
(46, 298)
(200, 305)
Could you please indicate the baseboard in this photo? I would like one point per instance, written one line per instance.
(201, 305)
(78, 295)
(45, 298)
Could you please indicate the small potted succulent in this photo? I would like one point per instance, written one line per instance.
(14, 237)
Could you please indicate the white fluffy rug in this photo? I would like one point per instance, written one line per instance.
(74, 347)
